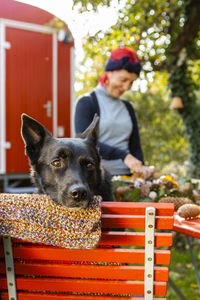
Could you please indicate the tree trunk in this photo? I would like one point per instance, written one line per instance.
(182, 85)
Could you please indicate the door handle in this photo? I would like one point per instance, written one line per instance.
(48, 107)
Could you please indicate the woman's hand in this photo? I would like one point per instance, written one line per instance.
(147, 171)
(136, 166)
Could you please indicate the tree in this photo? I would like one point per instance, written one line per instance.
(162, 131)
(166, 35)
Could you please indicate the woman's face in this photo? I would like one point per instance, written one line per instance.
(119, 81)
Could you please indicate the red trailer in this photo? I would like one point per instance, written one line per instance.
(36, 78)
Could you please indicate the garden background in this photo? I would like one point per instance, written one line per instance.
(166, 35)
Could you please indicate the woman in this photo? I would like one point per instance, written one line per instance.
(118, 138)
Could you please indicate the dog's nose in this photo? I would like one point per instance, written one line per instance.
(79, 193)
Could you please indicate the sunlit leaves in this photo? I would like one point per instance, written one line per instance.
(161, 129)
(160, 31)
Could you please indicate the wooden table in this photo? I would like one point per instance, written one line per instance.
(188, 227)
(191, 228)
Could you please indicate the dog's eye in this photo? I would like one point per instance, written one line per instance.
(89, 165)
(56, 163)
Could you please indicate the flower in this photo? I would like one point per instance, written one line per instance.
(170, 179)
(152, 195)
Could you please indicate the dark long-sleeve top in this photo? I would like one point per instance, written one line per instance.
(86, 108)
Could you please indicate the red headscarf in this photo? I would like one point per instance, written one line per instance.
(122, 58)
(118, 53)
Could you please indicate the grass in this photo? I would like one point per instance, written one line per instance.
(182, 272)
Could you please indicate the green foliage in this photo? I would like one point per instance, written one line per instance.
(151, 190)
(85, 5)
(149, 27)
(90, 71)
(166, 35)
(134, 194)
(182, 273)
(161, 129)
(183, 83)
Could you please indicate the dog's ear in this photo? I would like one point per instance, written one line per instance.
(91, 132)
(33, 134)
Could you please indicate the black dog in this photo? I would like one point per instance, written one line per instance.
(67, 169)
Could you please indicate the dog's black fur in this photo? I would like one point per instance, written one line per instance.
(67, 169)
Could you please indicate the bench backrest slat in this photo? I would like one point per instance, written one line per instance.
(86, 271)
(134, 239)
(127, 221)
(136, 208)
(131, 256)
(40, 296)
(115, 287)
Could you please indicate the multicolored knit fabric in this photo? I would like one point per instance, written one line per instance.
(36, 218)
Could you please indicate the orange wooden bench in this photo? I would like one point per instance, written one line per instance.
(127, 264)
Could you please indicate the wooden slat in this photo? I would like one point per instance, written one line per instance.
(128, 221)
(86, 271)
(134, 239)
(36, 252)
(84, 286)
(41, 296)
(133, 208)
(189, 227)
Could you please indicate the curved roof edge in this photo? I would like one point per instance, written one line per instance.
(18, 11)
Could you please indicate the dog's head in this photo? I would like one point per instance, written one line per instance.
(67, 169)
